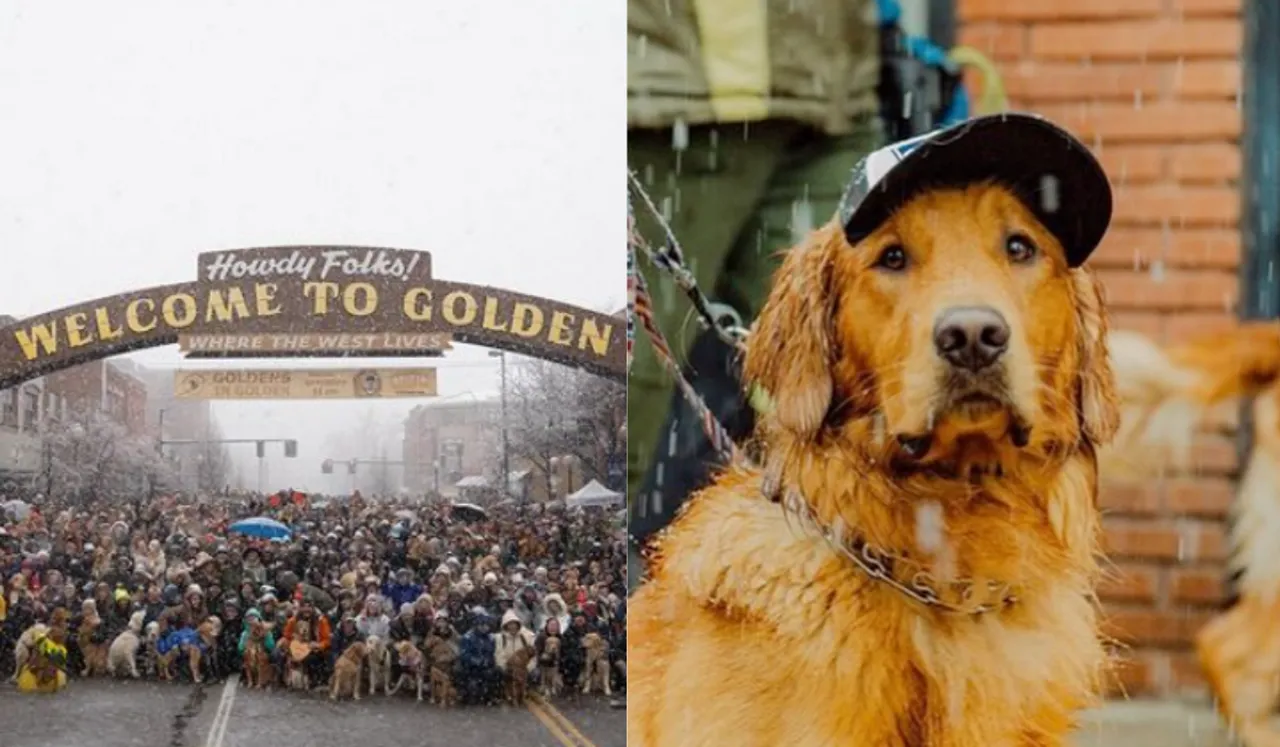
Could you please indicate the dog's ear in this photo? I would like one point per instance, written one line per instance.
(1099, 403)
(789, 350)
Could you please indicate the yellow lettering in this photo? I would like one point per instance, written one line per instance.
(46, 336)
(169, 310)
(226, 308)
(559, 332)
(75, 324)
(322, 292)
(417, 304)
(264, 294)
(595, 336)
(449, 310)
(491, 316)
(526, 320)
(132, 319)
(360, 299)
(105, 330)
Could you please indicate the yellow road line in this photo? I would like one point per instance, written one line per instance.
(563, 720)
(550, 724)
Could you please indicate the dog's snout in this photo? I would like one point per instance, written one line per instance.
(971, 337)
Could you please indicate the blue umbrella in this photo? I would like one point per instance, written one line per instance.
(261, 527)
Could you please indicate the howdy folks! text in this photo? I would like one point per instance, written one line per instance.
(371, 264)
(458, 309)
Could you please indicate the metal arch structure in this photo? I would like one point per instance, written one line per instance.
(316, 290)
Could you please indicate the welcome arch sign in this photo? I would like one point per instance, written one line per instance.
(339, 300)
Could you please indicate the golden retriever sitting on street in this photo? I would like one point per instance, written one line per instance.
(347, 671)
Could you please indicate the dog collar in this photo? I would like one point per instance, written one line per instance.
(958, 597)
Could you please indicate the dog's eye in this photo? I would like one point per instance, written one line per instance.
(1019, 248)
(893, 258)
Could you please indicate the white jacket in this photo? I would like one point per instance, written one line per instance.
(506, 644)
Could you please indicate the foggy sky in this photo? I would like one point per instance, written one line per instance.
(134, 135)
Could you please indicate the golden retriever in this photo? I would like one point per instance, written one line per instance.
(379, 664)
(25, 647)
(516, 678)
(551, 682)
(346, 672)
(595, 672)
(413, 666)
(259, 673)
(122, 657)
(919, 550)
(1167, 394)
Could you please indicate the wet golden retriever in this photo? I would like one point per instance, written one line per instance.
(347, 671)
(1167, 395)
(919, 550)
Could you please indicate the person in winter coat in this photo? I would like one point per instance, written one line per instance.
(528, 607)
(268, 643)
(403, 590)
(477, 677)
(372, 620)
(228, 657)
(553, 608)
(509, 639)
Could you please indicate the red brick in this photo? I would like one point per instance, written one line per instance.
(1204, 247)
(999, 41)
(1174, 290)
(1133, 164)
(1034, 82)
(1186, 674)
(1129, 583)
(1178, 206)
(1052, 10)
(1131, 674)
(1214, 454)
(1188, 326)
(1210, 498)
(1206, 79)
(1108, 124)
(1200, 586)
(1148, 323)
(1204, 541)
(1136, 40)
(1206, 7)
(1156, 539)
(1154, 628)
(1141, 541)
(1138, 248)
(1129, 497)
(1205, 162)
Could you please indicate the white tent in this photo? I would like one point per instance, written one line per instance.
(594, 494)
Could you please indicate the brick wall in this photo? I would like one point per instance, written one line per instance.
(1153, 86)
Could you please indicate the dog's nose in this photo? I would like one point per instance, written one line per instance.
(971, 337)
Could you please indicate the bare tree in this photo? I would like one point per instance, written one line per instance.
(556, 411)
(91, 457)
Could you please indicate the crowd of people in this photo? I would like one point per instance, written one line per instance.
(464, 588)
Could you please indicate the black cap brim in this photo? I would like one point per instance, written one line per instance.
(1052, 172)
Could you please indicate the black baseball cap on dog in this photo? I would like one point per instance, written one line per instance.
(1051, 171)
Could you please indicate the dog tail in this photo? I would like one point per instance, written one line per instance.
(1167, 394)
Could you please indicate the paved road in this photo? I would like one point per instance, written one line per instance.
(147, 714)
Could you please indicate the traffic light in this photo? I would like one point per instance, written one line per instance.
(262, 450)
(326, 467)
(291, 448)
(351, 467)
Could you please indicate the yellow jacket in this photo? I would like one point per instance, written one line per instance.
(706, 61)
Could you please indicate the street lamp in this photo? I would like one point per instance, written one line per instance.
(501, 355)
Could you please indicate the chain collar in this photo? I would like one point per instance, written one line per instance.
(959, 597)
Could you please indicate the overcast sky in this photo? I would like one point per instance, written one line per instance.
(136, 134)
